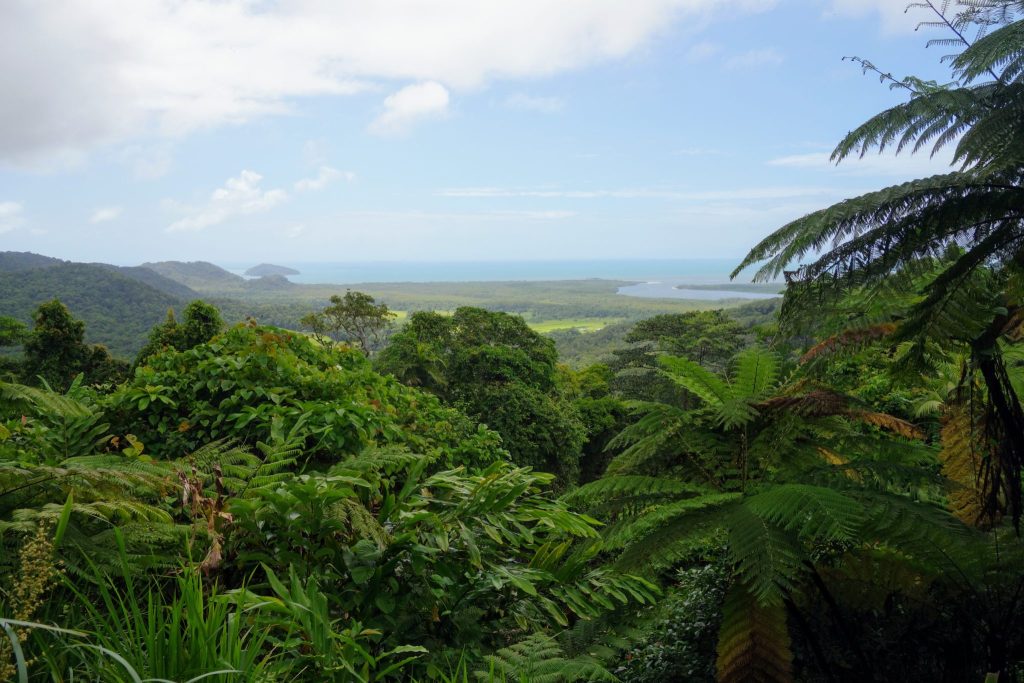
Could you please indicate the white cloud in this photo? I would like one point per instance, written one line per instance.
(10, 216)
(544, 105)
(293, 231)
(751, 59)
(104, 214)
(91, 72)
(873, 164)
(408, 106)
(239, 197)
(325, 176)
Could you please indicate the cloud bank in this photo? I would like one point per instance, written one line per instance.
(85, 73)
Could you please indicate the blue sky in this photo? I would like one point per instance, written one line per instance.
(332, 130)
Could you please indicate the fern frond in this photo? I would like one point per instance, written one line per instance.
(768, 559)
(888, 423)
(541, 659)
(753, 641)
(853, 339)
(44, 401)
(811, 512)
(964, 447)
(755, 372)
(999, 50)
(632, 487)
(351, 512)
(662, 536)
(696, 379)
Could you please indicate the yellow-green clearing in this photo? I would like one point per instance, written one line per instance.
(581, 324)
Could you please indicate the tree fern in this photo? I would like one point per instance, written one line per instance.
(965, 228)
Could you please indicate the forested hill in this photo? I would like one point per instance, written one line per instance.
(264, 269)
(201, 276)
(118, 306)
(154, 280)
(13, 261)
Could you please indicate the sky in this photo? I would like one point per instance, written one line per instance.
(240, 131)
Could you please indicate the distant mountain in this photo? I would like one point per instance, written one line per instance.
(264, 269)
(213, 281)
(269, 283)
(118, 308)
(20, 261)
(201, 276)
(14, 261)
(154, 280)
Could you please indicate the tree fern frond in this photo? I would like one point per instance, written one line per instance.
(632, 487)
(888, 423)
(964, 448)
(665, 535)
(920, 529)
(849, 340)
(696, 379)
(871, 219)
(811, 512)
(638, 525)
(657, 430)
(755, 372)
(753, 640)
(768, 559)
(998, 50)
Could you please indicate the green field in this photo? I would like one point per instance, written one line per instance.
(587, 305)
(580, 324)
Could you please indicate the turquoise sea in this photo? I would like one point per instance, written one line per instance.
(654, 277)
(697, 271)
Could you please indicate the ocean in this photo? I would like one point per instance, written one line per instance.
(655, 277)
(694, 271)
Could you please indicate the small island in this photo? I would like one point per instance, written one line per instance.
(265, 269)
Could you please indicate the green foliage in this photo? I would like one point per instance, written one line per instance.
(500, 372)
(118, 305)
(603, 415)
(243, 382)
(679, 642)
(200, 323)
(907, 238)
(302, 623)
(355, 318)
(708, 338)
(55, 351)
(541, 659)
(176, 630)
(57, 465)
(440, 560)
(12, 331)
(784, 476)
